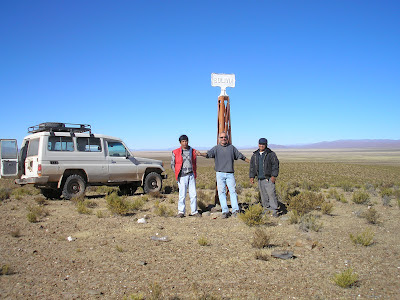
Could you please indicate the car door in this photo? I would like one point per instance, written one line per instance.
(121, 166)
(9, 158)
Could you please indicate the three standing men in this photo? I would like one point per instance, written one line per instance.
(265, 165)
(184, 164)
(224, 155)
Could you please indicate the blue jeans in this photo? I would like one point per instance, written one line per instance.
(185, 183)
(223, 180)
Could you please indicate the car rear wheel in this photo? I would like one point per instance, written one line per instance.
(152, 183)
(74, 186)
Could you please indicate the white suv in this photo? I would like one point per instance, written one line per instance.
(62, 159)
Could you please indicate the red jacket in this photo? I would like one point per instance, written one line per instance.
(179, 161)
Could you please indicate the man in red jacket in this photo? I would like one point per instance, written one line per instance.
(183, 163)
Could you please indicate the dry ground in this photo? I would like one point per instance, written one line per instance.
(114, 257)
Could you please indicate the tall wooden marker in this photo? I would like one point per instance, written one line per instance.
(224, 109)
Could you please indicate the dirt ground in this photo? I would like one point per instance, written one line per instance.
(115, 257)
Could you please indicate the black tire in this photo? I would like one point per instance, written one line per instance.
(51, 193)
(152, 183)
(128, 189)
(74, 186)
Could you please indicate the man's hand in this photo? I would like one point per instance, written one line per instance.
(273, 179)
(198, 153)
(252, 180)
(247, 160)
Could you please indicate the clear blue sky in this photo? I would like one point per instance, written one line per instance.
(306, 71)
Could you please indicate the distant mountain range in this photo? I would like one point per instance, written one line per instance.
(382, 143)
(339, 144)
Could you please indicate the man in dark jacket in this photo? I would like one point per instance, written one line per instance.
(265, 165)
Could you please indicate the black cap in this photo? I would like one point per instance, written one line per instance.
(263, 141)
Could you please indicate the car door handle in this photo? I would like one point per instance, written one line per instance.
(113, 162)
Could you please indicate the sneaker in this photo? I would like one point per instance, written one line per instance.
(235, 213)
(224, 215)
(196, 215)
(180, 215)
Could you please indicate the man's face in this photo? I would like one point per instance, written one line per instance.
(262, 147)
(184, 144)
(223, 139)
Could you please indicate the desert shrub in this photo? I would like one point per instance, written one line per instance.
(310, 222)
(35, 213)
(156, 195)
(371, 215)
(293, 217)
(364, 238)
(21, 192)
(327, 208)
(260, 255)
(203, 241)
(308, 185)
(82, 208)
(160, 209)
(260, 239)
(155, 291)
(253, 215)
(386, 192)
(305, 202)
(360, 197)
(118, 205)
(40, 200)
(346, 186)
(5, 193)
(100, 214)
(204, 197)
(345, 279)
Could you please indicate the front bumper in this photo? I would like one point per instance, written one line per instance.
(32, 180)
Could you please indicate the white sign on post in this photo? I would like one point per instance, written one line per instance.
(223, 81)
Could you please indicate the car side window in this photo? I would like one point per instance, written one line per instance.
(60, 143)
(116, 149)
(33, 149)
(89, 144)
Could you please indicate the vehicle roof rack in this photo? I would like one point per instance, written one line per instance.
(60, 127)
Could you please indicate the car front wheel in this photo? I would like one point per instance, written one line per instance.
(152, 183)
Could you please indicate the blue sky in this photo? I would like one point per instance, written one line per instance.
(306, 71)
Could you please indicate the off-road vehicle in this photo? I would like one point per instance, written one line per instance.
(63, 159)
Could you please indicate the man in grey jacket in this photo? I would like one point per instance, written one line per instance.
(224, 155)
(265, 165)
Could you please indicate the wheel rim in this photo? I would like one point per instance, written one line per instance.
(75, 188)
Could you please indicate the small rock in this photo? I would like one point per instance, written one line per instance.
(282, 254)
(70, 238)
(160, 238)
(142, 263)
(142, 221)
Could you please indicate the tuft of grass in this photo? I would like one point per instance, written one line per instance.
(160, 209)
(360, 197)
(35, 213)
(371, 215)
(120, 206)
(306, 202)
(21, 192)
(327, 208)
(310, 222)
(5, 193)
(156, 195)
(100, 214)
(346, 186)
(136, 296)
(365, 238)
(345, 279)
(203, 241)
(253, 215)
(41, 200)
(294, 217)
(260, 239)
(260, 255)
(386, 192)
(82, 208)
(155, 291)
(119, 248)
(5, 270)
(103, 189)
